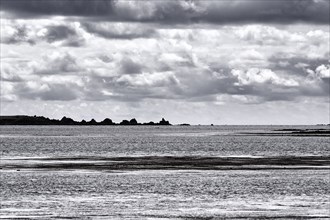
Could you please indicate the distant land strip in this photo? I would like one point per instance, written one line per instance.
(40, 120)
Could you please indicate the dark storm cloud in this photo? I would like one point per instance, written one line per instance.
(264, 11)
(128, 66)
(110, 31)
(33, 8)
(64, 33)
(236, 11)
(59, 32)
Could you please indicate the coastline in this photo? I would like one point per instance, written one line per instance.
(168, 163)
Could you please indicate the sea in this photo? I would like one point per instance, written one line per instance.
(113, 172)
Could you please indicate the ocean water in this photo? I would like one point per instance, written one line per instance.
(63, 172)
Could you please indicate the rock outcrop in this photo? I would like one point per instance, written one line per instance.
(40, 120)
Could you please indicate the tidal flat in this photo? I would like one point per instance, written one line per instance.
(195, 172)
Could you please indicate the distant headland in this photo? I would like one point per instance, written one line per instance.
(40, 120)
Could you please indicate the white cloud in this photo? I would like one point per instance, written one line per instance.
(149, 79)
(193, 65)
(249, 59)
(55, 63)
(323, 71)
(57, 33)
(255, 75)
(265, 35)
(318, 37)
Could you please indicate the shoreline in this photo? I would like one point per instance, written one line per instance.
(168, 163)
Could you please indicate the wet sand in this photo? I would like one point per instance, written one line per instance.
(166, 173)
(166, 194)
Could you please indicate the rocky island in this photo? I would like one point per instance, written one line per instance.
(40, 120)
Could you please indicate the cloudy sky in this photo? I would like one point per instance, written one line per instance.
(199, 62)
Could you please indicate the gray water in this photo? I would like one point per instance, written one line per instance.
(159, 194)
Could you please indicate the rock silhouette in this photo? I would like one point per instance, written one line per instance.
(124, 122)
(164, 122)
(40, 120)
(133, 122)
(106, 121)
(67, 121)
(92, 122)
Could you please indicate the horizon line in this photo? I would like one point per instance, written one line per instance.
(146, 123)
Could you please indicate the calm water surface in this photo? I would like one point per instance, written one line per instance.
(159, 194)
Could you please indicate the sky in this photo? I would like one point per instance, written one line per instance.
(189, 61)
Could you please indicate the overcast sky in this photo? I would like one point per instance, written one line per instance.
(199, 62)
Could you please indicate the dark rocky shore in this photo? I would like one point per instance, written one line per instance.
(40, 120)
(293, 132)
(170, 163)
